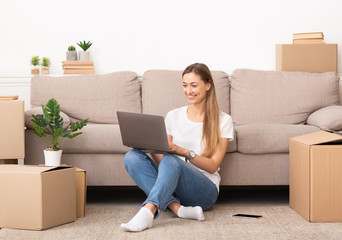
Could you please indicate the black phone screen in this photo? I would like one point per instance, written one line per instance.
(247, 215)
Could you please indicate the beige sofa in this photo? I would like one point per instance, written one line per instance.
(267, 107)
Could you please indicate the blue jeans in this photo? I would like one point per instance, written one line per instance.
(172, 181)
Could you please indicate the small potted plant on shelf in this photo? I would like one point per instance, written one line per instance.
(49, 125)
(84, 55)
(71, 54)
(45, 65)
(35, 65)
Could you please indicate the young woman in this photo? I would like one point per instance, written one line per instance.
(199, 131)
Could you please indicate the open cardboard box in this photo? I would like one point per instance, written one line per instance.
(316, 176)
(37, 197)
(81, 192)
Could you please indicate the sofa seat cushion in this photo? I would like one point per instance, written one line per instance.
(268, 138)
(96, 138)
(104, 138)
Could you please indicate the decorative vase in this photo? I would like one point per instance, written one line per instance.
(53, 158)
(84, 56)
(71, 56)
(35, 70)
(45, 70)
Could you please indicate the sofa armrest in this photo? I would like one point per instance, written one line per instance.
(38, 110)
(327, 118)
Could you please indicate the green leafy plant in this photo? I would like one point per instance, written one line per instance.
(51, 123)
(46, 62)
(71, 48)
(85, 46)
(35, 60)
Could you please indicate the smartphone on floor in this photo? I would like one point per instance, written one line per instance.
(247, 215)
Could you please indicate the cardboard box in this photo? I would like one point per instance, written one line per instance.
(36, 197)
(12, 129)
(81, 192)
(309, 57)
(316, 176)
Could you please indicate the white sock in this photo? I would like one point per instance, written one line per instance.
(191, 213)
(141, 221)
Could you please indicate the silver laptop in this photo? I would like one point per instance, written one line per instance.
(143, 131)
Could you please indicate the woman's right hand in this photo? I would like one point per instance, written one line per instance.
(177, 149)
(172, 146)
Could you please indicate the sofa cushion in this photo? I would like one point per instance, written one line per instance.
(104, 138)
(96, 97)
(39, 110)
(328, 118)
(280, 97)
(96, 138)
(162, 91)
(268, 138)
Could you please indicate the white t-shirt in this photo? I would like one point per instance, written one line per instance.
(188, 134)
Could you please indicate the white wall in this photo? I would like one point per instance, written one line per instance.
(139, 35)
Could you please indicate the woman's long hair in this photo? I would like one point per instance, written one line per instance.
(211, 121)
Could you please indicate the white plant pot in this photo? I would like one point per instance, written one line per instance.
(84, 56)
(71, 56)
(53, 158)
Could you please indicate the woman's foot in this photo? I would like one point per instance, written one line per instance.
(191, 213)
(141, 221)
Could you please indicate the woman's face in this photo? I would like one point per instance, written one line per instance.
(195, 89)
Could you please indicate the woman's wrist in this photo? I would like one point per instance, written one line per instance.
(191, 155)
(187, 153)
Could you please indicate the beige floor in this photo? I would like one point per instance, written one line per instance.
(108, 207)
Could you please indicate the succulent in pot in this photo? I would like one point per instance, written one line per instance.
(45, 65)
(71, 54)
(71, 48)
(35, 65)
(84, 55)
(49, 126)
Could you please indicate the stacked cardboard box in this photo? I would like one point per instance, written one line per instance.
(308, 53)
(306, 57)
(12, 129)
(78, 67)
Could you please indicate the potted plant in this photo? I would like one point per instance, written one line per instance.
(84, 55)
(45, 65)
(71, 54)
(35, 65)
(49, 125)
